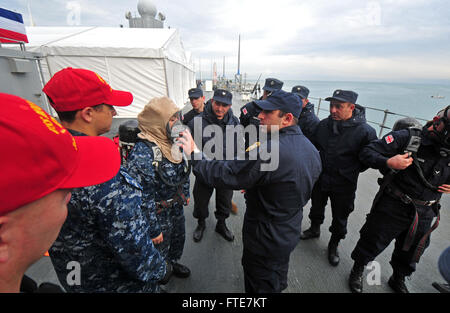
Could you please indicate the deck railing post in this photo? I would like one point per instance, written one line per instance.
(382, 125)
(318, 106)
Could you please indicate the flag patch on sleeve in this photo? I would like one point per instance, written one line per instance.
(389, 139)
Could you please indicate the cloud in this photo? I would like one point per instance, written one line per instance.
(321, 39)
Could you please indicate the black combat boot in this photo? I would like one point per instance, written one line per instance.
(180, 270)
(312, 232)
(333, 255)
(355, 280)
(222, 229)
(442, 288)
(198, 232)
(397, 283)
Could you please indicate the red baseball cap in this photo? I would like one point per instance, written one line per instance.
(40, 156)
(74, 89)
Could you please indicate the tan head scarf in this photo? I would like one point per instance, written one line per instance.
(152, 123)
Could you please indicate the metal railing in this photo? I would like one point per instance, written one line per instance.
(14, 41)
(382, 125)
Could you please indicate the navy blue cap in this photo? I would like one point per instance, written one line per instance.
(283, 101)
(344, 96)
(444, 264)
(302, 91)
(195, 93)
(223, 96)
(272, 84)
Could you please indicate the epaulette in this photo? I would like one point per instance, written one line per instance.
(253, 146)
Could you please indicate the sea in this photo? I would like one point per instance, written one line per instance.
(409, 99)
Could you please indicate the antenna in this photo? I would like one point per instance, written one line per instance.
(29, 13)
(239, 56)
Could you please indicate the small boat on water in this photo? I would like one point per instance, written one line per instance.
(437, 97)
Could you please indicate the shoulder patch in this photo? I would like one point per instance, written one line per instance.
(244, 110)
(389, 139)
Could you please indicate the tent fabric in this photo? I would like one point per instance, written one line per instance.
(147, 62)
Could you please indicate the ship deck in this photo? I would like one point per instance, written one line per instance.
(216, 264)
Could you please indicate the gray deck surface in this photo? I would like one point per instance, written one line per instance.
(216, 263)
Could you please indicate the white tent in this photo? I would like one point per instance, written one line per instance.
(147, 62)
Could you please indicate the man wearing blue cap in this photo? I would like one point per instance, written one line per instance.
(444, 269)
(250, 111)
(216, 113)
(339, 138)
(197, 100)
(275, 196)
(307, 121)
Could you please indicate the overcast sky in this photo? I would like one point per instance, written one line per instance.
(353, 40)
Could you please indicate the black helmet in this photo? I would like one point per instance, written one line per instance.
(407, 122)
(442, 116)
(128, 131)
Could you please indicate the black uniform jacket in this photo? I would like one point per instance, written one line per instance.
(339, 144)
(308, 121)
(189, 116)
(249, 114)
(435, 168)
(216, 139)
(272, 221)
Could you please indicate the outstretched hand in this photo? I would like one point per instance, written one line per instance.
(444, 188)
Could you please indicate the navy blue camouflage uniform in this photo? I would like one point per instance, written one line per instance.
(339, 144)
(390, 218)
(107, 233)
(275, 200)
(166, 219)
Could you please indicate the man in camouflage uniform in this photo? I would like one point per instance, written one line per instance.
(164, 177)
(44, 162)
(106, 232)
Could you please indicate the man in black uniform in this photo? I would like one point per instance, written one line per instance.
(217, 113)
(250, 111)
(408, 199)
(339, 138)
(198, 103)
(307, 121)
(275, 195)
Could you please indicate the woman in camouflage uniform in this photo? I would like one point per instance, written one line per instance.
(158, 166)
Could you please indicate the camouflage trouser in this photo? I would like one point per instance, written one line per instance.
(172, 223)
